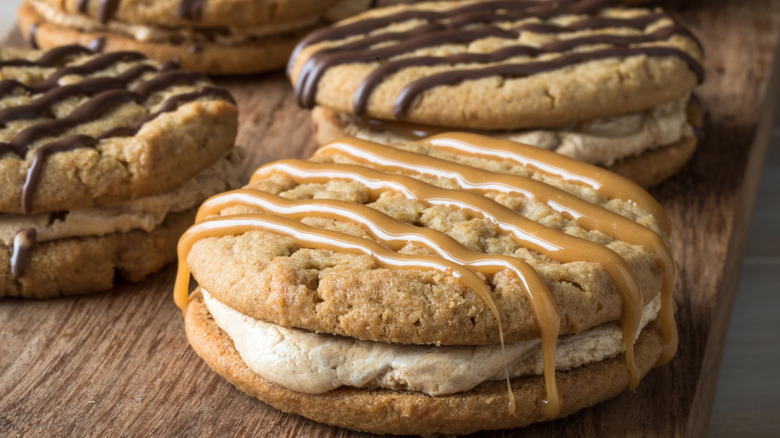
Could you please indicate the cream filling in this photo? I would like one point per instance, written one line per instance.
(218, 35)
(314, 363)
(601, 141)
(139, 214)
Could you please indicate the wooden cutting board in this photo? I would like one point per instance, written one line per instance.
(118, 363)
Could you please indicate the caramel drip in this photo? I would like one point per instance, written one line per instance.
(24, 240)
(553, 244)
(585, 214)
(396, 235)
(451, 28)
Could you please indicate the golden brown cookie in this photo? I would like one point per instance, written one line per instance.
(595, 80)
(215, 36)
(368, 266)
(96, 150)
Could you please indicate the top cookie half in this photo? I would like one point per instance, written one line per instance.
(79, 129)
(199, 12)
(497, 64)
(432, 242)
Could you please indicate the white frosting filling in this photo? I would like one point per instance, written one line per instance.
(601, 141)
(139, 214)
(314, 363)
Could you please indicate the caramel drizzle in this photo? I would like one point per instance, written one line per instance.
(474, 182)
(548, 163)
(608, 184)
(396, 235)
(24, 240)
(317, 238)
(585, 214)
(437, 33)
(554, 244)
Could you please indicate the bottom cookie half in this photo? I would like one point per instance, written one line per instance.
(405, 412)
(82, 265)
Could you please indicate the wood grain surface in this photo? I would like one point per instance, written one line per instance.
(118, 363)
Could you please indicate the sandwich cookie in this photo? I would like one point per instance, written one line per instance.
(598, 81)
(212, 36)
(455, 284)
(104, 159)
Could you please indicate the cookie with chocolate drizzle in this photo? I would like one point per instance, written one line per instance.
(595, 80)
(455, 284)
(103, 158)
(212, 36)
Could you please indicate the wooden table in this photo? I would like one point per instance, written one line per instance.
(118, 363)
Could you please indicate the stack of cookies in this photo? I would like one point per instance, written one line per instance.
(594, 80)
(456, 284)
(213, 36)
(104, 159)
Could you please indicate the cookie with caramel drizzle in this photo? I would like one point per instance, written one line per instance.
(455, 240)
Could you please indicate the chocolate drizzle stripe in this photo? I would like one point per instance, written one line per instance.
(191, 9)
(91, 110)
(512, 71)
(167, 79)
(454, 27)
(312, 71)
(39, 157)
(472, 12)
(106, 9)
(592, 23)
(97, 64)
(388, 68)
(51, 58)
(24, 240)
(42, 106)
